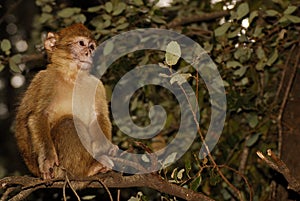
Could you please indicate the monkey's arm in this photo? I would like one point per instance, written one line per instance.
(42, 144)
(102, 111)
(101, 130)
(33, 112)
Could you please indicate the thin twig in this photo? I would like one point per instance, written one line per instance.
(7, 193)
(283, 75)
(244, 157)
(23, 194)
(285, 99)
(71, 186)
(107, 190)
(64, 190)
(118, 194)
(32, 57)
(243, 177)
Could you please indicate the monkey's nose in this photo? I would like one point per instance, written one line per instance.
(89, 53)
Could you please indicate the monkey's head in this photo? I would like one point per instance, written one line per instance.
(73, 46)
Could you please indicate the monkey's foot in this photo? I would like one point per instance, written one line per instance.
(98, 168)
(47, 166)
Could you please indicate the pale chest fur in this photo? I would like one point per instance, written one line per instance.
(74, 99)
(61, 104)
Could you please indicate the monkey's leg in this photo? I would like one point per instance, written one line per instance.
(24, 142)
(73, 156)
(42, 144)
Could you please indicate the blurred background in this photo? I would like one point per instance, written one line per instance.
(255, 45)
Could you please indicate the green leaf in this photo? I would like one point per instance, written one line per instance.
(260, 53)
(242, 10)
(45, 17)
(180, 174)
(252, 120)
(271, 13)
(38, 2)
(145, 158)
(290, 10)
(273, 58)
(79, 18)
(106, 17)
(225, 83)
(5, 45)
(196, 183)
(68, 12)
(108, 7)
(222, 29)
(293, 18)
(260, 65)
(134, 199)
(122, 26)
(47, 9)
(180, 78)
(13, 63)
(119, 9)
(233, 64)
(252, 16)
(252, 140)
(17, 58)
(174, 173)
(188, 167)
(242, 54)
(145, 60)
(1, 67)
(97, 22)
(108, 48)
(208, 46)
(258, 31)
(234, 33)
(88, 197)
(173, 53)
(169, 160)
(283, 19)
(121, 20)
(240, 71)
(243, 82)
(158, 19)
(94, 9)
(138, 2)
(107, 23)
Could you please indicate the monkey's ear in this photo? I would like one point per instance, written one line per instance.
(50, 41)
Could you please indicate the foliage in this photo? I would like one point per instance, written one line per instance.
(249, 57)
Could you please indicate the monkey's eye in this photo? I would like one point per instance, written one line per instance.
(81, 43)
(92, 47)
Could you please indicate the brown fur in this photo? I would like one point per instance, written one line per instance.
(45, 131)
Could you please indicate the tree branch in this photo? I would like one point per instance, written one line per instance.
(277, 164)
(111, 180)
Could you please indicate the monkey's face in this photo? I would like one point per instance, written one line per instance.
(71, 48)
(82, 49)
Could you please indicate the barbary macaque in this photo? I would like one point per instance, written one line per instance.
(45, 131)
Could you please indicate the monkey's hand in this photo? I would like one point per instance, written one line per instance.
(47, 164)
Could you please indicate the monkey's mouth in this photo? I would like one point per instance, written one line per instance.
(86, 65)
